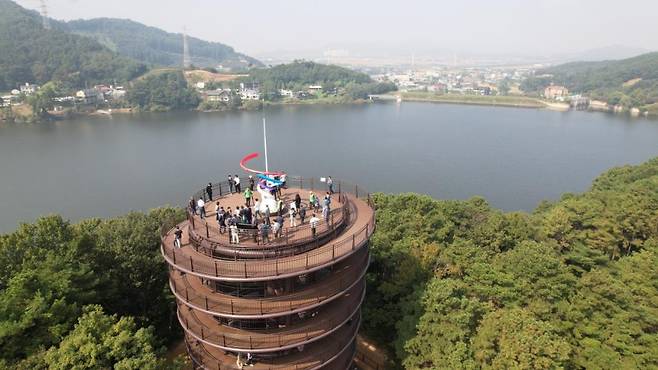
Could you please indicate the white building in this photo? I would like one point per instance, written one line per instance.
(249, 94)
(286, 93)
(29, 89)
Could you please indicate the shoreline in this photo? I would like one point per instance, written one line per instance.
(522, 102)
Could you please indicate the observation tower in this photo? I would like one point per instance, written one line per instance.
(285, 300)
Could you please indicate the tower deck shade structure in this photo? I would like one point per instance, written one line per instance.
(290, 302)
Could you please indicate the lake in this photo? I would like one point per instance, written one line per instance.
(101, 167)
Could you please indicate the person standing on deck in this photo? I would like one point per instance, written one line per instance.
(265, 232)
(330, 184)
(221, 219)
(252, 182)
(237, 184)
(292, 212)
(325, 213)
(267, 214)
(280, 206)
(217, 207)
(233, 230)
(256, 207)
(247, 197)
(178, 237)
(201, 205)
(302, 214)
(314, 224)
(298, 201)
(250, 215)
(276, 228)
(231, 183)
(209, 191)
(192, 205)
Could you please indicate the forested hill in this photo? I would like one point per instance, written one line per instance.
(459, 285)
(299, 74)
(629, 82)
(154, 46)
(306, 72)
(29, 53)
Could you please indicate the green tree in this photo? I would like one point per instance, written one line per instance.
(101, 341)
(514, 339)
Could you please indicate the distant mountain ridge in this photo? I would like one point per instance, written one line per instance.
(30, 53)
(152, 45)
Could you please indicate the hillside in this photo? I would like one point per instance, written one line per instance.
(629, 82)
(298, 75)
(31, 54)
(154, 46)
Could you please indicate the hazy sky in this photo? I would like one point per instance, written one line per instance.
(515, 27)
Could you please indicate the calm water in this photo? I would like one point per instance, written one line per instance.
(513, 157)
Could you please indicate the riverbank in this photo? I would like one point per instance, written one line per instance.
(502, 101)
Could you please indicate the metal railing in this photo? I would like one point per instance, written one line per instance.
(278, 266)
(207, 239)
(319, 324)
(255, 270)
(313, 295)
(313, 356)
(290, 241)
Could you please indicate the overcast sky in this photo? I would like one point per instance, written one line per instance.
(513, 27)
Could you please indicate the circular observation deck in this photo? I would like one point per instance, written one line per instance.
(290, 300)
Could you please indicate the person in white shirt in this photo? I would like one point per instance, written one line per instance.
(236, 179)
(201, 205)
(292, 212)
(314, 224)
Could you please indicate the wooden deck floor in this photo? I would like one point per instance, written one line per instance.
(355, 235)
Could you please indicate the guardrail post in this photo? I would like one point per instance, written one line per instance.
(356, 190)
(207, 231)
(187, 299)
(216, 273)
(206, 303)
(191, 264)
(339, 188)
(353, 240)
(245, 269)
(306, 260)
(174, 250)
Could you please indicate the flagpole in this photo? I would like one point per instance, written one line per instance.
(267, 169)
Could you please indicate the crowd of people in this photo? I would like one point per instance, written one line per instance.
(257, 221)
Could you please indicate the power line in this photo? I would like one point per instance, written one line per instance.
(44, 15)
(187, 60)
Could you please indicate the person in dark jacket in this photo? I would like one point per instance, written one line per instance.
(209, 191)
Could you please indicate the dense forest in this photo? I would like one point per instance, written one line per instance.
(157, 47)
(162, 91)
(629, 82)
(452, 285)
(87, 296)
(29, 53)
(298, 75)
(459, 285)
